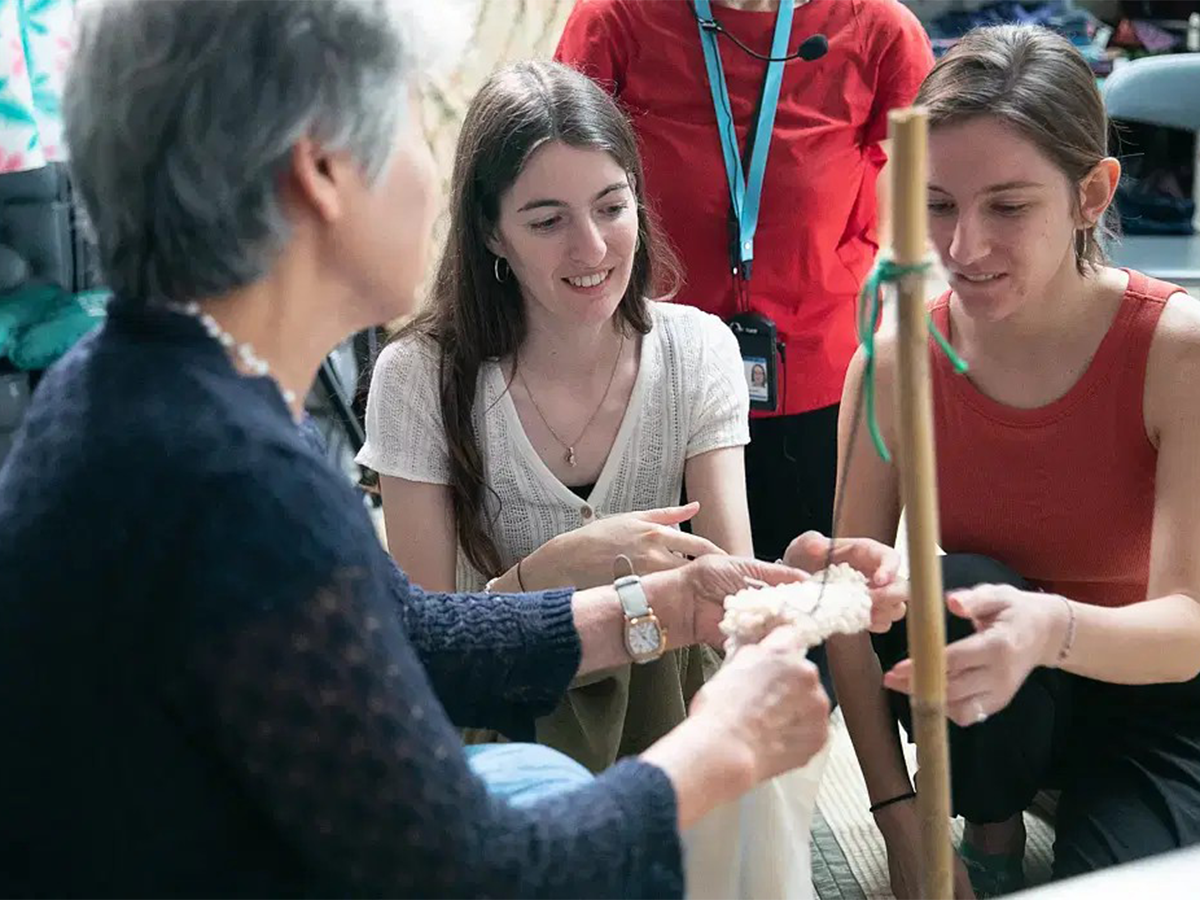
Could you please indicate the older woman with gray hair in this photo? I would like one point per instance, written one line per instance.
(212, 679)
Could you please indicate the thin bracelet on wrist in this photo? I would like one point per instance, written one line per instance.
(899, 798)
(490, 587)
(1069, 638)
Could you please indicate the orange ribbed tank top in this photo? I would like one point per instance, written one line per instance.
(1063, 494)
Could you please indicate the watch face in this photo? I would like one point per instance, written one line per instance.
(644, 637)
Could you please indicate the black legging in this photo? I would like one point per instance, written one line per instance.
(791, 469)
(1126, 758)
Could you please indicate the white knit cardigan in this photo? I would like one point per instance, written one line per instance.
(690, 396)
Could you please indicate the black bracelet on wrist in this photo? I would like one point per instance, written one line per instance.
(882, 804)
(520, 583)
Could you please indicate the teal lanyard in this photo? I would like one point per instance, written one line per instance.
(745, 191)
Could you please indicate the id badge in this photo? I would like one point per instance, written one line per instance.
(756, 339)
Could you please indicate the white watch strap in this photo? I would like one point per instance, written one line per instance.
(632, 596)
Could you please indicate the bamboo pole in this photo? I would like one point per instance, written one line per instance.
(918, 483)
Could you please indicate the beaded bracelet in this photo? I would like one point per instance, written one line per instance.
(882, 804)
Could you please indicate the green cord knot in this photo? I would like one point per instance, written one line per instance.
(870, 304)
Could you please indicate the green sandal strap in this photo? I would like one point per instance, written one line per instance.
(993, 874)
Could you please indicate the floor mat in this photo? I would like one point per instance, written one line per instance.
(833, 878)
(849, 860)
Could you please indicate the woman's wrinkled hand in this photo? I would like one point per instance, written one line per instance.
(695, 599)
(708, 581)
(767, 701)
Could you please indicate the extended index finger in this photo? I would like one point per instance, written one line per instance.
(689, 544)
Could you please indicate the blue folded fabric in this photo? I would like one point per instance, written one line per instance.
(41, 322)
(22, 307)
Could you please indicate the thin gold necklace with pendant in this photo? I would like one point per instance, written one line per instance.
(569, 446)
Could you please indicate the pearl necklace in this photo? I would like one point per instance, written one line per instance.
(244, 351)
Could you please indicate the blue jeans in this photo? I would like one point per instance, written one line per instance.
(524, 773)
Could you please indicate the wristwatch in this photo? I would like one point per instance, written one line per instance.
(645, 636)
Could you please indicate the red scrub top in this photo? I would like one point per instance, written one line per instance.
(816, 229)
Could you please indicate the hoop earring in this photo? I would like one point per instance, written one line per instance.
(1083, 242)
(496, 269)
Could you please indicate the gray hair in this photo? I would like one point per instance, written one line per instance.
(180, 118)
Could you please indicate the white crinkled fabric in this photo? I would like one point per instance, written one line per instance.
(757, 848)
(833, 601)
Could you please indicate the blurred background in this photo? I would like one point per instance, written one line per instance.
(1143, 53)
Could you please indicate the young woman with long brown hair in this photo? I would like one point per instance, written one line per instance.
(539, 417)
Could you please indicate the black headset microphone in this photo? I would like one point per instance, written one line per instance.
(812, 48)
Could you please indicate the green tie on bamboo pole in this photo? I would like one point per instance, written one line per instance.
(908, 131)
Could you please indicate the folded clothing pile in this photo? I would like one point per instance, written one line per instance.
(39, 320)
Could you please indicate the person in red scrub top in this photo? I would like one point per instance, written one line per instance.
(810, 175)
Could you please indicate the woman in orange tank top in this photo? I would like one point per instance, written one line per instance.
(1069, 492)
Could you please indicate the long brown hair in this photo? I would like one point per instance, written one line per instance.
(473, 317)
(1035, 81)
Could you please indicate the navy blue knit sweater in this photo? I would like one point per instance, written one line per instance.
(213, 681)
